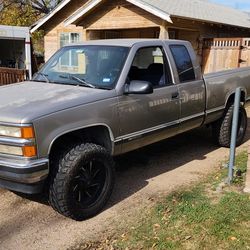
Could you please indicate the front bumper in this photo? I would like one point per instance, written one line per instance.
(26, 176)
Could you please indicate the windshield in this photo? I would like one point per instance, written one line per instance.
(89, 66)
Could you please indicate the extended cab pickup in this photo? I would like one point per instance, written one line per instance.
(92, 101)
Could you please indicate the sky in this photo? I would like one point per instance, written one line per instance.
(238, 4)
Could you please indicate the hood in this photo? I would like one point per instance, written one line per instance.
(24, 102)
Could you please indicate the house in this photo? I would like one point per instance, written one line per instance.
(73, 21)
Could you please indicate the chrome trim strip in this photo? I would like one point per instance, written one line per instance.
(138, 134)
(12, 141)
(191, 117)
(23, 164)
(24, 178)
(16, 124)
(215, 110)
(16, 157)
(24, 171)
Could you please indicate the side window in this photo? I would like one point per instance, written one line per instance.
(150, 65)
(183, 63)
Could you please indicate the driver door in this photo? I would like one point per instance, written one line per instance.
(148, 118)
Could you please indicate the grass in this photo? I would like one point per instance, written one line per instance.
(203, 217)
(189, 220)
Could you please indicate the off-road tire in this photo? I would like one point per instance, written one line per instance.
(222, 128)
(70, 166)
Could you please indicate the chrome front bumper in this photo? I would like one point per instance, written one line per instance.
(23, 175)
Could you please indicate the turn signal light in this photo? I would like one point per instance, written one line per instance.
(29, 151)
(27, 132)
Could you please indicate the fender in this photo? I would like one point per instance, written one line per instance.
(84, 127)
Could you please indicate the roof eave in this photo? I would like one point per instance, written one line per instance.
(163, 15)
(51, 14)
(78, 14)
(212, 22)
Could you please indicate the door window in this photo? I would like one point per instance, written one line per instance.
(183, 63)
(150, 65)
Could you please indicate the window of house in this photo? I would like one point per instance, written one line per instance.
(69, 59)
(150, 65)
(183, 63)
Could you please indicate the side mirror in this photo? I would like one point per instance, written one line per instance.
(139, 88)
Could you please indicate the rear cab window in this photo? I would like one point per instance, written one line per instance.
(183, 63)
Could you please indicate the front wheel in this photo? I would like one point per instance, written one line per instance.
(83, 183)
(222, 128)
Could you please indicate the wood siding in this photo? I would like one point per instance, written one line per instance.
(118, 15)
(123, 33)
(52, 38)
(55, 26)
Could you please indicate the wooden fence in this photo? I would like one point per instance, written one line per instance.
(225, 53)
(9, 75)
(245, 53)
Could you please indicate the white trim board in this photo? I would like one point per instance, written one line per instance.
(82, 11)
(163, 15)
(51, 14)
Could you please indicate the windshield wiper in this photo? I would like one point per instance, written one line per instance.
(44, 76)
(81, 82)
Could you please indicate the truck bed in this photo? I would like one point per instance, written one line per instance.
(220, 86)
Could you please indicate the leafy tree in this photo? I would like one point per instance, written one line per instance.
(17, 14)
(38, 6)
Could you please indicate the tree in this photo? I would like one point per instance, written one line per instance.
(24, 12)
(43, 6)
(17, 14)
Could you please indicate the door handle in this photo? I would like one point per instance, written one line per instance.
(175, 95)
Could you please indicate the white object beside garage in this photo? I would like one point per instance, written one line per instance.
(15, 48)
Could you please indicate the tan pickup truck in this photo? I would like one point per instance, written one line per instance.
(95, 100)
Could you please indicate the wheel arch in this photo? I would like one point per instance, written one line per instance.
(100, 134)
(231, 96)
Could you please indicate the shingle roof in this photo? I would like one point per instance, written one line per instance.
(202, 10)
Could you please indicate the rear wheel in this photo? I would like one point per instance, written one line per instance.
(222, 128)
(83, 182)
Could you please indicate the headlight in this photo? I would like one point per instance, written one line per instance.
(11, 150)
(18, 132)
(28, 133)
(26, 151)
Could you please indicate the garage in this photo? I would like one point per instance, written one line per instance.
(15, 61)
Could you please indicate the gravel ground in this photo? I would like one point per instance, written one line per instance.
(142, 176)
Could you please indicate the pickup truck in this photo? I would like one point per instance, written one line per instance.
(92, 101)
